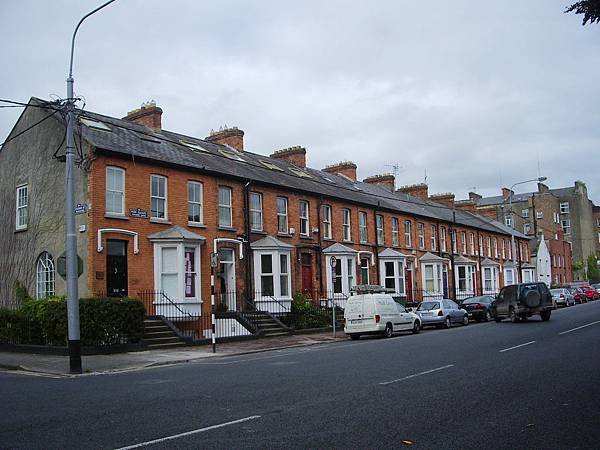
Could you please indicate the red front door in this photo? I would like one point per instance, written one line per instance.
(307, 273)
(409, 285)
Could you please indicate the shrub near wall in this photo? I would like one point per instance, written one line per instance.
(103, 321)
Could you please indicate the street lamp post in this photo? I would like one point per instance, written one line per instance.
(71, 237)
(512, 225)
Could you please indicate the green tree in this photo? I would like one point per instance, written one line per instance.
(589, 8)
(593, 274)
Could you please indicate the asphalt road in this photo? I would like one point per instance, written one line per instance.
(533, 385)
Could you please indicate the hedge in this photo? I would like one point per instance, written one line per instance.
(103, 322)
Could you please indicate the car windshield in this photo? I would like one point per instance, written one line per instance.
(428, 306)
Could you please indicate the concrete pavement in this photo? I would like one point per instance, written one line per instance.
(120, 362)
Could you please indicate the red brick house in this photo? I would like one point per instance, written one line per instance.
(160, 203)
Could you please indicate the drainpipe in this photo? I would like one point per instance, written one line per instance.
(453, 242)
(376, 246)
(479, 249)
(319, 247)
(247, 264)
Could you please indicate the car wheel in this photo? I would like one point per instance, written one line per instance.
(416, 327)
(448, 322)
(513, 315)
(355, 336)
(545, 315)
(488, 316)
(389, 331)
(466, 320)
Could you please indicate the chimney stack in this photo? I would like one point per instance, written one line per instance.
(418, 190)
(385, 180)
(295, 155)
(344, 168)
(506, 193)
(446, 199)
(148, 115)
(234, 137)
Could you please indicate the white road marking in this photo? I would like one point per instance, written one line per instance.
(383, 383)
(517, 346)
(189, 433)
(579, 328)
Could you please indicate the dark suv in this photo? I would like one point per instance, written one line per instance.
(520, 301)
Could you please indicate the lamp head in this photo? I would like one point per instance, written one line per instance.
(542, 179)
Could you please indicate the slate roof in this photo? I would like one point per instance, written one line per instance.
(338, 248)
(130, 140)
(391, 253)
(522, 197)
(463, 260)
(489, 262)
(176, 232)
(430, 257)
(270, 242)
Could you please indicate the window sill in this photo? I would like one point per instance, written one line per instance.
(264, 233)
(329, 239)
(116, 216)
(348, 242)
(20, 230)
(162, 221)
(227, 229)
(285, 235)
(196, 225)
(306, 238)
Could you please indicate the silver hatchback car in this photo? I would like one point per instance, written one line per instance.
(443, 312)
(562, 297)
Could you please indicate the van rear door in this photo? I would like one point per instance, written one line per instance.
(354, 309)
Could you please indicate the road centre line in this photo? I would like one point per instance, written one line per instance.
(517, 346)
(579, 328)
(189, 433)
(384, 383)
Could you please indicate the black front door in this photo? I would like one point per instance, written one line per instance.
(116, 268)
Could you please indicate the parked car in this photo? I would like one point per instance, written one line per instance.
(479, 308)
(377, 313)
(443, 312)
(520, 301)
(578, 295)
(597, 287)
(590, 292)
(562, 297)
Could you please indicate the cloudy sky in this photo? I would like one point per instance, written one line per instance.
(476, 95)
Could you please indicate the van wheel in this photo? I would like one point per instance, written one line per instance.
(416, 327)
(466, 320)
(355, 336)
(389, 331)
(448, 322)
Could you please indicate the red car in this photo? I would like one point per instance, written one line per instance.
(590, 292)
(579, 295)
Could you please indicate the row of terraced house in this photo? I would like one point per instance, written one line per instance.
(155, 208)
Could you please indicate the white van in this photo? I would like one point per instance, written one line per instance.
(377, 314)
